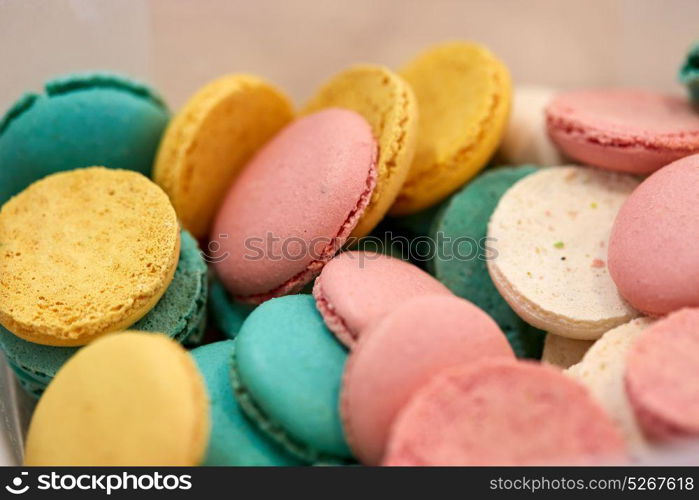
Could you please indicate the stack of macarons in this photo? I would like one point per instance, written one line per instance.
(548, 293)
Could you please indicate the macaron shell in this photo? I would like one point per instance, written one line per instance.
(387, 102)
(602, 370)
(549, 237)
(81, 120)
(662, 376)
(652, 255)
(211, 139)
(357, 288)
(294, 205)
(464, 95)
(85, 252)
(234, 440)
(460, 259)
(127, 399)
(564, 352)
(502, 413)
(226, 314)
(286, 375)
(400, 353)
(625, 130)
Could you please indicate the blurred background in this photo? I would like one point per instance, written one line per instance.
(180, 44)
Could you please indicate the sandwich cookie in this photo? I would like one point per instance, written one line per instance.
(226, 314)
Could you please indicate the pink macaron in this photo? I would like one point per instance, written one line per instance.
(653, 254)
(626, 130)
(356, 288)
(400, 353)
(662, 376)
(294, 205)
(503, 413)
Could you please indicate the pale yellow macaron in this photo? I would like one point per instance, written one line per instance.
(83, 253)
(388, 104)
(211, 139)
(127, 399)
(464, 94)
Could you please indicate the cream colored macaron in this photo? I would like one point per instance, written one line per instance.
(83, 253)
(602, 371)
(128, 399)
(549, 236)
(564, 352)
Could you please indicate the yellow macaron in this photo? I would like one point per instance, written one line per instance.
(127, 399)
(464, 94)
(83, 253)
(388, 104)
(211, 139)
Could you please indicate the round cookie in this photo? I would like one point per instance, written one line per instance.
(602, 369)
(652, 252)
(502, 413)
(387, 102)
(564, 352)
(463, 93)
(460, 232)
(400, 353)
(526, 139)
(180, 314)
(227, 315)
(125, 400)
(211, 139)
(84, 252)
(689, 73)
(357, 288)
(234, 440)
(626, 130)
(80, 120)
(662, 376)
(294, 205)
(548, 239)
(287, 369)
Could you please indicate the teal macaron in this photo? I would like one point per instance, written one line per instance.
(286, 373)
(234, 440)
(689, 73)
(226, 314)
(460, 261)
(180, 313)
(80, 120)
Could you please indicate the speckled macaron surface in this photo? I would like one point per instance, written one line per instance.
(387, 102)
(549, 236)
(127, 399)
(460, 230)
(80, 120)
(286, 374)
(211, 139)
(83, 253)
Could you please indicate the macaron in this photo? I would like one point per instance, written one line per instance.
(357, 288)
(502, 413)
(400, 353)
(84, 253)
(662, 376)
(548, 241)
(226, 314)
(652, 252)
(180, 314)
(464, 93)
(211, 139)
(80, 120)
(234, 440)
(460, 234)
(294, 205)
(564, 352)
(602, 370)
(689, 73)
(127, 399)
(286, 374)
(626, 130)
(388, 104)
(526, 139)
